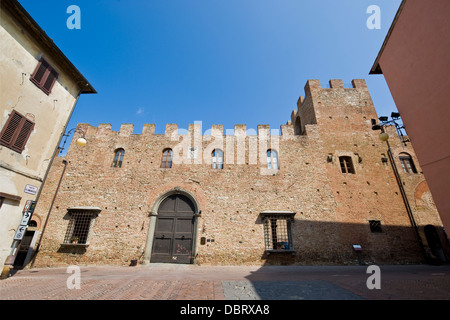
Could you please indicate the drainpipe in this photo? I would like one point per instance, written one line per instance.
(49, 212)
(404, 197)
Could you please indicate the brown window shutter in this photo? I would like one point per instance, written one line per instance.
(44, 76)
(23, 135)
(16, 132)
(9, 130)
(39, 73)
(50, 81)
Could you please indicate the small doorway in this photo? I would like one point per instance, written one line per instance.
(434, 243)
(174, 231)
(23, 250)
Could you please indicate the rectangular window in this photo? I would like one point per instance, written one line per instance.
(346, 165)
(80, 224)
(16, 132)
(278, 231)
(44, 77)
(375, 225)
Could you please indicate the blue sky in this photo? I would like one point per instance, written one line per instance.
(217, 61)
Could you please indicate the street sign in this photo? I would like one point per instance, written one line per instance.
(25, 219)
(20, 232)
(30, 189)
(28, 212)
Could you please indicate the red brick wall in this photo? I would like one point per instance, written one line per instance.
(332, 209)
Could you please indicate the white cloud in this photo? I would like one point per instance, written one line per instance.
(140, 111)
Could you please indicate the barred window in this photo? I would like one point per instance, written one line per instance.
(80, 224)
(278, 231)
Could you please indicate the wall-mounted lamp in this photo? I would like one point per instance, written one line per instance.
(384, 121)
(81, 141)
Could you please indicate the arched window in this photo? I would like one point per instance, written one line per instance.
(346, 164)
(272, 159)
(407, 163)
(167, 158)
(32, 224)
(118, 158)
(217, 159)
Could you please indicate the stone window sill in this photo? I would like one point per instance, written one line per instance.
(280, 251)
(75, 245)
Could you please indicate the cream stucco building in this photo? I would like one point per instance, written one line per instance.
(38, 92)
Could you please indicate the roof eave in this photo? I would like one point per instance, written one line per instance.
(376, 68)
(36, 32)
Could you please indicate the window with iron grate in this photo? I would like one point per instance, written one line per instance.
(278, 231)
(80, 225)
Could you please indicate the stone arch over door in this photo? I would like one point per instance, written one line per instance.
(172, 230)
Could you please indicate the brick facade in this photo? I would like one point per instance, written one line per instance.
(332, 209)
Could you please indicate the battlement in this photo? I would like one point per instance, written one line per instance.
(335, 84)
(173, 131)
(301, 122)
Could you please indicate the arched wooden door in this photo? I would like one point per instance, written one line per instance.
(174, 230)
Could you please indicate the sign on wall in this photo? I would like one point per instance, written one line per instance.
(30, 189)
(28, 212)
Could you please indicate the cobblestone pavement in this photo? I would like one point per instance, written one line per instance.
(190, 282)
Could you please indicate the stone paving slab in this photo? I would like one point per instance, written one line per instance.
(285, 290)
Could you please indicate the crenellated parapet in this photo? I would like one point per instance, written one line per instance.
(321, 110)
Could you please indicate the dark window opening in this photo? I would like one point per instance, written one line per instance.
(346, 164)
(298, 126)
(375, 225)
